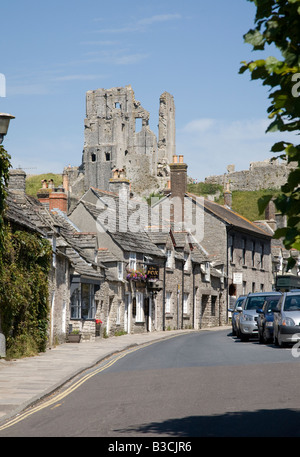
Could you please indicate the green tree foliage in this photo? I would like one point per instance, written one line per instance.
(24, 292)
(4, 176)
(277, 22)
(24, 268)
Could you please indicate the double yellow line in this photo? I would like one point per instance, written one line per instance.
(75, 386)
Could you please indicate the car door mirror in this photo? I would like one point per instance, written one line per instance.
(239, 309)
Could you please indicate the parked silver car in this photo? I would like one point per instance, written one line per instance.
(246, 320)
(287, 319)
(238, 303)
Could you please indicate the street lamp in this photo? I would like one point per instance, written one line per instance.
(4, 123)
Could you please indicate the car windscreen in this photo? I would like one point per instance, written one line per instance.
(239, 302)
(271, 304)
(255, 302)
(292, 303)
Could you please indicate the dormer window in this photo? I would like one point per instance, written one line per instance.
(186, 261)
(169, 263)
(132, 260)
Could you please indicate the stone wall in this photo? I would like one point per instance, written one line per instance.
(114, 139)
(267, 174)
(59, 300)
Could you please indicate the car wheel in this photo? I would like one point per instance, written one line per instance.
(266, 339)
(281, 344)
(244, 338)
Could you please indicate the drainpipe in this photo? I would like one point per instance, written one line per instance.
(164, 296)
(178, 289)
(228, 229)
(194, 301)
(2, 342)
(182, 294)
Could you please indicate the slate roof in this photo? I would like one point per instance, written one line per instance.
(21, 216)
(81, 266)
(128, 240)
(30, 214)
(230, 217)
(104, 255)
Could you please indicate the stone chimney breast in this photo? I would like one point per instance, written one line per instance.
(17, 183)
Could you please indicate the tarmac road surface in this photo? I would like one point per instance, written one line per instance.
(199, 384)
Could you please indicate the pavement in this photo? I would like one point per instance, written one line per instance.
(25, 381)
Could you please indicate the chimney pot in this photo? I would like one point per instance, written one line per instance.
(228, 196)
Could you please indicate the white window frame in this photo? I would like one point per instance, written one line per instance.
(120, 271)
(168, 302)
(207, 272)
(118, 320)
(186, 296)
(140, 315)
(169, 263)
(186, 261)
(132, 260)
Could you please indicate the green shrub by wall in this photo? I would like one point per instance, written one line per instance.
(24, 269)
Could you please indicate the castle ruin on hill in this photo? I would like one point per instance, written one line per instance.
(267, 174)
(114, 140)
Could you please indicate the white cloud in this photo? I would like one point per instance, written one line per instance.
(159, 18)
(76, 77)
(129, 59)
(141, 24)
(27, 89)
(100, 43)
(209, 145)
(199, 125)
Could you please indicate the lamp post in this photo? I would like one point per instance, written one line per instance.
(4, 124)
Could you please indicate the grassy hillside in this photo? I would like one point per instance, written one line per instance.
(243, 202)
(34, 183)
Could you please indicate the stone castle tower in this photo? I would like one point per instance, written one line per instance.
(114, 140)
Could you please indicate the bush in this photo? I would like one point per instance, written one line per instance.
(24, 269)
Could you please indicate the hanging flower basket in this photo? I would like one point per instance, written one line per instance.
(136, 275)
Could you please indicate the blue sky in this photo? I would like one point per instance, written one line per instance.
(52, 53)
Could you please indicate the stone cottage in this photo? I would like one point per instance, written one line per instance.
(239, 249)
(74, 277)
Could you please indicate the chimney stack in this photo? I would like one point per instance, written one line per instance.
(178, 175)
(58, 199)
(270, 215)
(119, 184)
(53, 197)
(227, 197)
(17, 184)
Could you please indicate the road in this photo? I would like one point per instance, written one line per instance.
(203, 384)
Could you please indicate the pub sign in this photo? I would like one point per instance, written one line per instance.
(152, 272)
